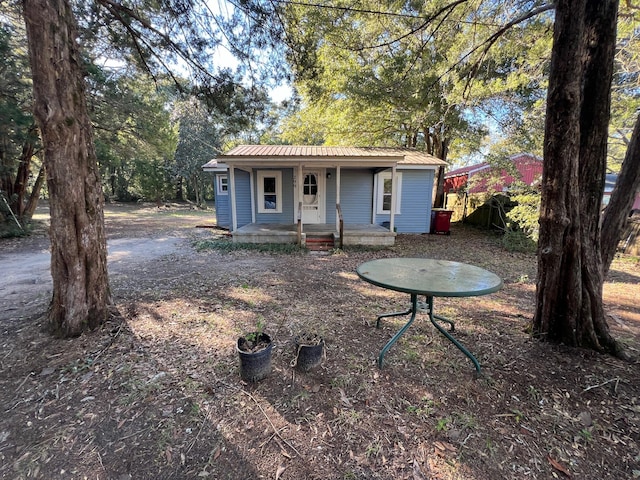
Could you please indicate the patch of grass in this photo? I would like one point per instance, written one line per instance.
(442, 424)
(465, 420)
(136, 390)
(348, 418)
(534, 394)
(363, 248)
(586, 435)
(374, 448)
(411, 355)
(226, 246)
(490, 448)
(517, 415)
(341, 381)
(423, 410)
(518, 241)
(78, 366)
(300, 397)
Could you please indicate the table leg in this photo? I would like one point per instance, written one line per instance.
(394, 314)
(452, 326)
(432, 317)
(394, 339)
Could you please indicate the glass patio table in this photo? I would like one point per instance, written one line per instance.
(431, 278)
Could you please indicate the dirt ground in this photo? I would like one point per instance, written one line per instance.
(156, 393)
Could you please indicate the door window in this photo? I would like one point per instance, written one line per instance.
(310, 188)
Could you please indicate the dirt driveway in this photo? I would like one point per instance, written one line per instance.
(137, 235)
(156, 394)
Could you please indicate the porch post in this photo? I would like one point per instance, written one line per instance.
(232, 190)
(252, 195)
(338, 197)
(394, 182)
(300, 196)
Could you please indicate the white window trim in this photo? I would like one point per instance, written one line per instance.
(219, 184)
(382, 176)
(261, 175)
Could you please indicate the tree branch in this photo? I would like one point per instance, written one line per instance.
(117, 10)
(488, 43)
(622, 198)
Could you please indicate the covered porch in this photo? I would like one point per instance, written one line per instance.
(354, 234)
(306, 194)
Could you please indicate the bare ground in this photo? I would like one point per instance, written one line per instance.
(156, 393)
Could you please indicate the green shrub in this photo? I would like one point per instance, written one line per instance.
(522, 230)
(229, 246)
(9, 229)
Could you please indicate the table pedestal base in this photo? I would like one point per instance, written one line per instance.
(413, 310)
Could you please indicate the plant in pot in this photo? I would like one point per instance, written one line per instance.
(309, 351)
(254, 350)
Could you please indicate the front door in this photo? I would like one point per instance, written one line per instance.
(312, 196)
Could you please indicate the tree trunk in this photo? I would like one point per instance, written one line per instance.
(14, 186)
(196, 190)
(569, 306)
(600, 46)
(81, 295)
(621, 201)
(437, 144)
(32, 204)
(22, 175)
(179, 189)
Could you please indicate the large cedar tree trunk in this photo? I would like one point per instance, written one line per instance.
(622, 199)
(569, 306)
(81, 295)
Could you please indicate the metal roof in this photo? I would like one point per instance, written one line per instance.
(522, 161)
(401, 156)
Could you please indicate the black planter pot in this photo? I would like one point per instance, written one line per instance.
(256, 365)
(308, 354)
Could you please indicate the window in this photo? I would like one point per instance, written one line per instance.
(223, 185)
(269, 192)
(310, 186)
(310, 189)
(384, 192)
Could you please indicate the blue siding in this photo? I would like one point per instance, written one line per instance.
(286, 217)
(223, 207)
(222, 210)
(243, 197)
(356, 195)
(415, 205)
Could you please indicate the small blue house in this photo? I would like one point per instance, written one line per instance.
(297, 194)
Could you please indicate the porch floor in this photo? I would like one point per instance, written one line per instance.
(353, 234)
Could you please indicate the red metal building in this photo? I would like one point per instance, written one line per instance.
(484, 177)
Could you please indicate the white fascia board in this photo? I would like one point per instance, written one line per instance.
(417, 167)
(220, 167)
